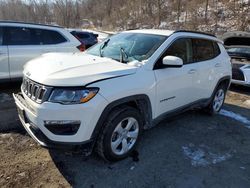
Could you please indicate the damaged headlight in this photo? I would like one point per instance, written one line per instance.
(72, 96)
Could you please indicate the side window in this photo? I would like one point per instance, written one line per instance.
(18, 36)
(52, 37)
(1, 36)
(82, 35)
(216, 49)
(203, 49)
(181, 48)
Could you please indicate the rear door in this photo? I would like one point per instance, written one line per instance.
(174, 85)
(25, 43)
(4, 60)
(206, 59)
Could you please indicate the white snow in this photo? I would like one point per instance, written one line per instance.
(236, 117)
(201, 156)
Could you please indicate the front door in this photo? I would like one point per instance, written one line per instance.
(174, 85)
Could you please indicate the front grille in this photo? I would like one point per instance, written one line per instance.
(237, 74)
(35, 91)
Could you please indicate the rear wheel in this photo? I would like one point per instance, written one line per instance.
(120, 134)
(217, 101)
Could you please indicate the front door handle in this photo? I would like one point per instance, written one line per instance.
(192, 71)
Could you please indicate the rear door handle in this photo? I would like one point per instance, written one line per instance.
(192, 71)
(217, 65)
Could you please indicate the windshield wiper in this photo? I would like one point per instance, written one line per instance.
(122, 55)
(103, 46)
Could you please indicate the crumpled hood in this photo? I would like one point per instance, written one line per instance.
(74, 69)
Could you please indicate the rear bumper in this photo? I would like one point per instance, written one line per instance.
(34, 131)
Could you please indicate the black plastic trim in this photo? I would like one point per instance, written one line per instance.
(145, 107)
(196, 32)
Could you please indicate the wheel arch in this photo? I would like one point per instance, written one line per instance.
(140, 102)
(226, 80)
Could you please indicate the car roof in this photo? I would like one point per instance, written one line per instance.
(15, 23)
(170, 32)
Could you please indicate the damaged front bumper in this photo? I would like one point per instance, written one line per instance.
(39, 136)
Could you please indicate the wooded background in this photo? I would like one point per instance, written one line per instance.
(214, 16)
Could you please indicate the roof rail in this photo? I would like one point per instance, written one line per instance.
(197, 32)
(20, 22)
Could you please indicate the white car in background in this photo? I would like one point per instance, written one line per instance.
(237, 44)
(21, 42)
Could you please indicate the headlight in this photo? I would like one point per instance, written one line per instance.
(72, 96)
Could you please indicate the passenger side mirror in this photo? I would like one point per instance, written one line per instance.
(172, 61)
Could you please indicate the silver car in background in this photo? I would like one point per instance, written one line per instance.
(21, 42)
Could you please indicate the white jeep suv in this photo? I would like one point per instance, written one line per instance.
(21, 42)
(105, 97)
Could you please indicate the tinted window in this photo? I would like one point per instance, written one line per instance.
(216, 49)
(203, 49)
(181, 48)
(1, 35)
(52, 37)
(18, 36)
(82, 35)
(29, 36)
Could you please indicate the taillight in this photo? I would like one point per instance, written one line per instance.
(81, 47)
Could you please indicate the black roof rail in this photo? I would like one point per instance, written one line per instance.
(20, 22)
(196, 32)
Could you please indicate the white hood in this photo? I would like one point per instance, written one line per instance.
(74, 69)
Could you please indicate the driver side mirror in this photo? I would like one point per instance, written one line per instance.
(172, 61)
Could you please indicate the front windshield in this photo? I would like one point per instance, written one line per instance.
(239, 50)
(127, 47)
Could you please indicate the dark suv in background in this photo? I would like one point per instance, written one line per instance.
(86, 38)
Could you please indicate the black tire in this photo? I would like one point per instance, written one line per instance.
(104, 141)
(210, 109)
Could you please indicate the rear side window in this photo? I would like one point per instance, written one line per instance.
(52, 37)
(216, 49)
(32, 36)
(203, 50)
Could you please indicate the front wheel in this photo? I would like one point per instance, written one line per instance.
(217, 100)
(120, 134)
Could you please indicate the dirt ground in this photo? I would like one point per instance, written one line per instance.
(190, 150)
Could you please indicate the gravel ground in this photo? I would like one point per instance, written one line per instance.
(190, 150)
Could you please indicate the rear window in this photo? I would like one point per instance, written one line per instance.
(32, 36)
(82, 35)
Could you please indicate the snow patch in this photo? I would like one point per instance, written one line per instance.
(201, 156)
(5, 97)
(236, 117)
